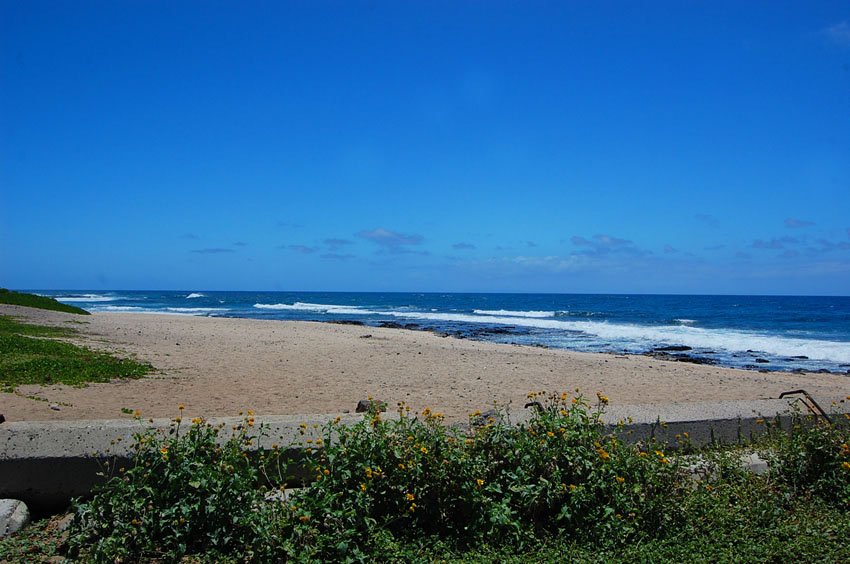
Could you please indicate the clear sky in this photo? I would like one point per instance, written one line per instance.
(574, 146)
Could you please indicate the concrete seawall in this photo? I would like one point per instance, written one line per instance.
(45, 464)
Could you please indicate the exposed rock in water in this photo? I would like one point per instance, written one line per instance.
(762, 361)
(395, 325)
(346, 322)
(673, 348)
(679, 357)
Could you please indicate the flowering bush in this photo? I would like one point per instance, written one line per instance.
(384, 481)
(185, 493)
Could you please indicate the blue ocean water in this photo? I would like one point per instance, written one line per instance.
(755, 332)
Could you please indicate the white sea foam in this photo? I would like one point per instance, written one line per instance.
(195, 309)
(318, 308)
(88, 298)
(716, 339)
(195, 295)
(132, 309)
(159, 311)
(685, 321)
(509, 313)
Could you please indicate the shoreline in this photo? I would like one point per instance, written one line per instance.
(220, 366)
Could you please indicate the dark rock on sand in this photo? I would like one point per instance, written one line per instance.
(346, 322)
(366, 405)
(489, 416)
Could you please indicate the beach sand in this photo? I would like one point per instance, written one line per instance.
(219, 367)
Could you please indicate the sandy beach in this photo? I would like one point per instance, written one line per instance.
(219, 367)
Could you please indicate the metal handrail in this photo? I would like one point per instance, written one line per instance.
(814, 407)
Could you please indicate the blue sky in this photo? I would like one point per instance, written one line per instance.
(664, 147)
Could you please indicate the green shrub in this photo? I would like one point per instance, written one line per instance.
(380, 487)
(185, 493)
(39, 302)
(813, 459)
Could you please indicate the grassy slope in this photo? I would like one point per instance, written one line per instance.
(39, 302)
(29, 355)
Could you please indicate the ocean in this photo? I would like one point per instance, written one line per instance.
(783, 333)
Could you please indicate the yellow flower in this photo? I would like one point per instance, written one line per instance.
(423, 450)
(602, 454)
(250, 412)
(250, 421)
(304, 518)
(410, 497)
(163, 450)
(480, 482)
(573, 487)
(846, 465)
(409, 438)
(362, 487)
(412, 507)
(181, 407)
(319, 441)
(642, 454)
(659, 454)
(400, 466)
(470, 442)
(620, 479)
(602, 399)
(368, 472)
(564, 396)
(137, 413)
(178, 419)
(665, 461)
(197, 421)
(550, 434)
(326, 472)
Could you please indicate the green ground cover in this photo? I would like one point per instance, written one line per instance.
(552, 489)
(39, 302)
(29, 354)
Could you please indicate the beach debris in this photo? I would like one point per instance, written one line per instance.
(367, 336)
(54, 407)
(366, 405)
(2, 418)
(14, 515)
(535, 404)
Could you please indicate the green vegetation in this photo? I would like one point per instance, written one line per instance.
(413, 489)
(29, 355)
(39, 302)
